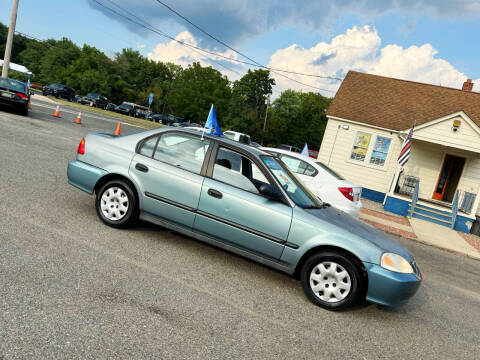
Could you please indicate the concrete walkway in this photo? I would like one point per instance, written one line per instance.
(442, 237)
(421, 231)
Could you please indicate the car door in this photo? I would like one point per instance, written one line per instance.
(232, 210)
(168, 170)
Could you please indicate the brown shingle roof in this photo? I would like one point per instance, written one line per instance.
(394, 104)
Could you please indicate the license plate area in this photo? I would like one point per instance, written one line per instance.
(7, 94)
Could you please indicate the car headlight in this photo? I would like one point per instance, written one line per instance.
(394, 262)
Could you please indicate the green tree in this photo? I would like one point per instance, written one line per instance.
(56, 59)
(248, 103)
(195, 90)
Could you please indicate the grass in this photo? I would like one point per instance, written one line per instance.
(128, 119)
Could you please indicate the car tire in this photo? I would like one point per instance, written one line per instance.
(331, 280)
(24, 111)
(116, 204)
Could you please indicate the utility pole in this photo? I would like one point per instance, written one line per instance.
(266, 114)
(8, 46)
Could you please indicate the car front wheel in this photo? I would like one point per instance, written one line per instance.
(331, 280)
(116, 204)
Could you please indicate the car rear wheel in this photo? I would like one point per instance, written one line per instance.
(331, 280)
(116, 204)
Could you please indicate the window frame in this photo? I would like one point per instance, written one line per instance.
(353, 147)
(211, 163)
(206, 159)
(387, 153)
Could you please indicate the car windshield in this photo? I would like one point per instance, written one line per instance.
(299, 194)
(12, 84)
(330, 171)
(125, 106)
(93, 96)
(56, 86)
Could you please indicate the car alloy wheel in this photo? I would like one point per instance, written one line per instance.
(330, 282)
(114, 203)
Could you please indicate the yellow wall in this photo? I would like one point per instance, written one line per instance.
(369, 176)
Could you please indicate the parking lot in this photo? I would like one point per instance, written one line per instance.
(72, 287)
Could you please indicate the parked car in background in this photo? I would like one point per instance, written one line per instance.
(313, 154)
(130, 109)
(96, 100)
(141, 112)
(237, 136)
(248, 202)
(78, 99)
(59, 91)
(289, 148)
(324, 182)
(14, 94)
(110, 107)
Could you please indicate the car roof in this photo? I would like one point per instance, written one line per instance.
(221, 139)
(292, 154)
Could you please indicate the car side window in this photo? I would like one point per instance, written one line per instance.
(310, 171)
(298, 166)
(182, 150)
(148, 146)
(237, 170)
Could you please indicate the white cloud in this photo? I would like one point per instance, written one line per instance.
(235, 21)
(141, 46)
(360, 49)
(179, 54)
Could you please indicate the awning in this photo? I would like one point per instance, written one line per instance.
(17, 67)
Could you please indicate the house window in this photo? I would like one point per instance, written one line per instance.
(360, 146)
(380, 151)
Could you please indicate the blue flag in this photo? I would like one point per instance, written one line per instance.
(212, 124)
(305, 150)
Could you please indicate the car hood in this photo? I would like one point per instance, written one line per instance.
(360, 229)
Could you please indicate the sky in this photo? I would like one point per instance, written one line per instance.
(431, 41)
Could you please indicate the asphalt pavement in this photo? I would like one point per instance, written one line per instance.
(71, 287)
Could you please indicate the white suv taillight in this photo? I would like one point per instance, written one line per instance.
(347, 192)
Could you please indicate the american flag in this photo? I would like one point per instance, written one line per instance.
(405, 153)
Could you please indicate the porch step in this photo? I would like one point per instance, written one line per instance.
(433, 210)
(433, 219)
(429, 212)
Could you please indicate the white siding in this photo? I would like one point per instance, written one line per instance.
(466, 138)
(338, 158)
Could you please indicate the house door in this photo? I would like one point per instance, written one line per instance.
(448, 178)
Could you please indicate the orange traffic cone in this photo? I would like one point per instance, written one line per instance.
(57, 111)
(79, 118)
(117, 130)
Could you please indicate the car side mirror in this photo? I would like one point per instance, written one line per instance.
(270, 191)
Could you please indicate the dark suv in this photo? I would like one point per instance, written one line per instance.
(96, 100)
(59, 91)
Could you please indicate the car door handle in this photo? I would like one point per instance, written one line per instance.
(215, 193)
(141, 167)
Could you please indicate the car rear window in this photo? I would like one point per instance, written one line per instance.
(330, 171)
(12, 85)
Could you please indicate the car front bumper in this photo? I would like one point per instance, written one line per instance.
(389, 288)
(84, 176)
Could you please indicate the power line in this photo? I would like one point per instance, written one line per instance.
(238, 52)
(159, 32)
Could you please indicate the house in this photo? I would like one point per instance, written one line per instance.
(368, 120)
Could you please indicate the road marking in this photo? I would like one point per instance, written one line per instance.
(87, 114)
